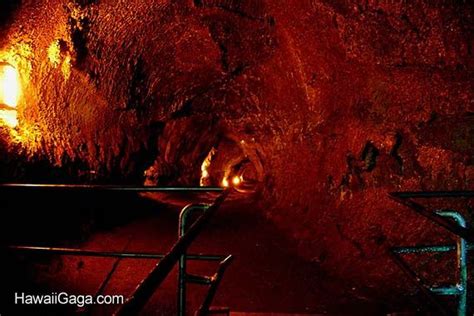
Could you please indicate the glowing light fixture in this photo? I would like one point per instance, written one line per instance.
(236, 180)
(9, 86)
(225, 183)
(9, 94)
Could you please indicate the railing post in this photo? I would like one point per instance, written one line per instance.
(183, 219)
(461, 252)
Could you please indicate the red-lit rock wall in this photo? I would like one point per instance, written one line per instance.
(339, 102)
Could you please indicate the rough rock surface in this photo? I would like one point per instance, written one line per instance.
(336, 102)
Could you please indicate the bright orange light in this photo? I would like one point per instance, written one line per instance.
(9, 118)
(9, 94)
(9, 85)
(236, 180)
(225, 183)
(54, 53)
(204, 168)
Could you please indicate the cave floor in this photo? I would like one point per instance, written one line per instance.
(265, 277)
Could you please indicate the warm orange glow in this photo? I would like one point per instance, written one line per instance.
(225, 183)
(9, 94)
(54, 53)
(9, 86)
(204, 181)
(236, 180)
(9, 118)
(66, 67)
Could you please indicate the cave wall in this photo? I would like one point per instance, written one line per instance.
(339, 101)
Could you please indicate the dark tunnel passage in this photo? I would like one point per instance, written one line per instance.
(310, 113)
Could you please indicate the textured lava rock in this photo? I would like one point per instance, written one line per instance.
(339, 103)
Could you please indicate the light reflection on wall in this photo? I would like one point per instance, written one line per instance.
(10, 90)
(15, 73)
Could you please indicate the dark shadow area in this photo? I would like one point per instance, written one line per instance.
(55, 218)
(7, 11)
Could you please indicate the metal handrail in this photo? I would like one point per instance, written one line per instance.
(432, 194)
(453, 221)
(215, 281)
(148, 286)
(464, 232)
(107, 254)
(418, 281)
(460, 288)
(184, 277)
(107, 187)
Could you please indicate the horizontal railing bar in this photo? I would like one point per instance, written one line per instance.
(423, 249)
(147, 287)
(433, 194)
(454, 228)
(427, 249)
(106, 187)
(197, 279)
(446, 290)
(98, 253)
(216, 280)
